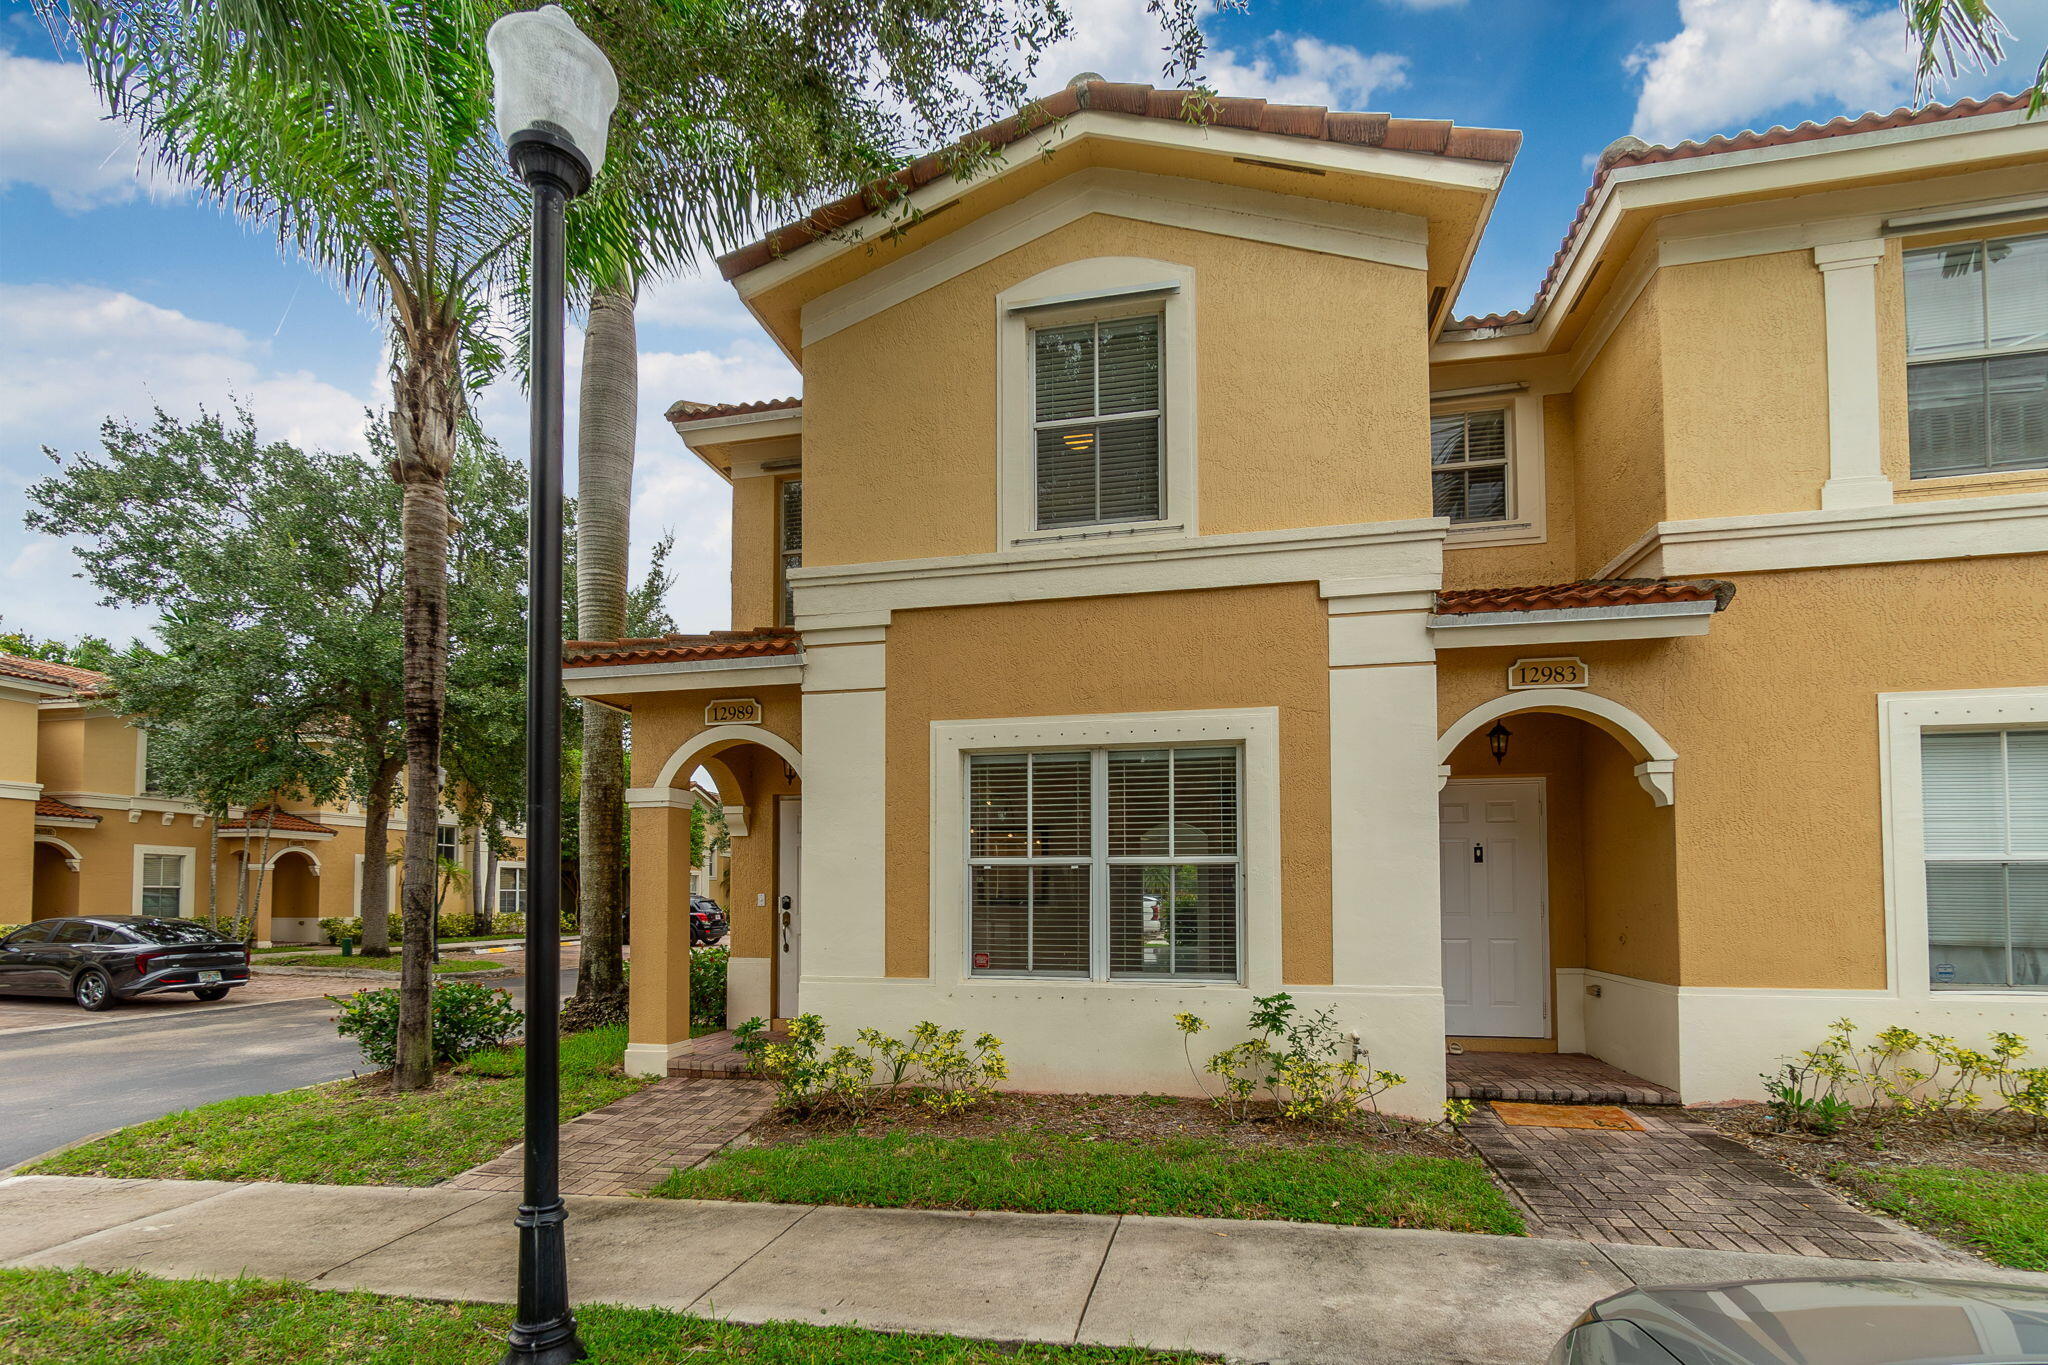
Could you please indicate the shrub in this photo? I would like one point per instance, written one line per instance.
(335, 928)
(707, 986)
(1900, 1073)
(934, 1065)
(468, 1017)
(1306, 1067)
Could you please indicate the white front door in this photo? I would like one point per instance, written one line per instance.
(789, 811)
(1496, 934)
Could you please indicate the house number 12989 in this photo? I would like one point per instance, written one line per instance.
(1547, 673)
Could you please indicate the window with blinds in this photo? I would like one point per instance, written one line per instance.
(1097, 423)
(1985, 807)
(163, 884)
(1977, 356)
(790, 541)
(1105, 864)
(1468, 459)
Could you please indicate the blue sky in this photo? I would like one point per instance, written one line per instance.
(117, 292)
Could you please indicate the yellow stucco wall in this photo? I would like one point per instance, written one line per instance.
(900, 409)
(755, 580)
(1252, 646)
(1618, 427)
(1775, 838)
(18, 761)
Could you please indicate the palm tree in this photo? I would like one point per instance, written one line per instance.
(361, 134)
(1952, 34)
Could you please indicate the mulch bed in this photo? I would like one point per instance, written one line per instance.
(1115, 1118)
(1988, 1142)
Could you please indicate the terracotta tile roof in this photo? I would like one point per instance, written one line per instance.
(1430, 137)
(686, 411)
(50, 808)
(1596, 592)
(1633, 152)
(81, 680)
(759, 643)
(281, 822)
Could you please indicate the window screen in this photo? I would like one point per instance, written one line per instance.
(1977, 356)
(1097, 422)
(1468, 458)
(1105, 863)
(1985, 805)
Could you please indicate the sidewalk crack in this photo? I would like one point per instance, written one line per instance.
(1095, 1283)
(481, 1195)
(746, 1260)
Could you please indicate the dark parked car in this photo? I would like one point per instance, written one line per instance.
(1875, 1320)
(102, 960)
(707, 921)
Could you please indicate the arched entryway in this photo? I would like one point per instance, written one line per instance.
(293, 895)
(758, 776)
(1557, 861)
(56, 876)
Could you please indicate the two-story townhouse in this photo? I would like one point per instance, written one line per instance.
(85, 830)
(1158, 600)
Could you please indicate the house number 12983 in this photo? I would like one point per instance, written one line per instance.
(1547, 673)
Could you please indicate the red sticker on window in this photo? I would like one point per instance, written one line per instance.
(981, 959)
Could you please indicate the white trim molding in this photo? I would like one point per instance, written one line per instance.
(693, 749)
(71, 855)
(843, 844)
(1656, 760)
(780, 670)
(1528, 498)
(1952, 528)
(1572, 625)
(1856, 476)
(1139, 564)
(188, 878)
(1096, 289)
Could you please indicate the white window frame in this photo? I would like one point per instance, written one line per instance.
(1099, 289)
(188, 876)
(1902, 717)
(1256, 732)
(1983, 353)
(498, 890)
(1527, 521)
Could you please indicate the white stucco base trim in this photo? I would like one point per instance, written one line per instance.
(295, 929)
(1114, 1038)
(1717, 1042)
(747, 990)
(650, 1059)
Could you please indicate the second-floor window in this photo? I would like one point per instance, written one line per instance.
(1468, 466)
(1097, 423)
(790, 541)
(445, 845)
(1977, 356)
(163, 884)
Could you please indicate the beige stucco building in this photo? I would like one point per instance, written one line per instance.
(83, 831)
(1157, 599)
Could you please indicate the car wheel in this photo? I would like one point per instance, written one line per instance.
(92, 990)
(212, 993)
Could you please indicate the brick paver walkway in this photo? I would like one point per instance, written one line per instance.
(1549, 1078)
(631, 1144)
(713, 1055)
(1679, 1183)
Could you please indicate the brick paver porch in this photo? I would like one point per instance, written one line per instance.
(1549, 1078)
(712, 1056)
(1680, 1183)
(631, 1144)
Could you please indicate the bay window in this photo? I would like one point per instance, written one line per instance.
(1106, 864)
(1977, 356)
(1985, 806)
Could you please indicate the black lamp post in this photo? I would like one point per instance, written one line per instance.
(555, 93)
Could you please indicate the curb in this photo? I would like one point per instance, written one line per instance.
(374, 974)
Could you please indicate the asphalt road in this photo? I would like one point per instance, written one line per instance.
(60, 1085)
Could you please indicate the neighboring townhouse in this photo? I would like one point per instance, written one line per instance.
(84, 830)
(1157, 600)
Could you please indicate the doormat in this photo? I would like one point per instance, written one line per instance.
(1566, 1116)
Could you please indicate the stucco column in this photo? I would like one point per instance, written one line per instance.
(658, 991)
(1386, 928)
(1856, 475)
(845, 846)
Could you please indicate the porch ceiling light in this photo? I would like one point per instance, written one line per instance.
(1497, 740)
(552, 85)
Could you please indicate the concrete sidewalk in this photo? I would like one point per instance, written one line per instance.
(1246, 1290)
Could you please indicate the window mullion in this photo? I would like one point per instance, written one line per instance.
(1098, 871)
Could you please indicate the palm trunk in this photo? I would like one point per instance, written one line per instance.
(606, 412)
(426, 405)
(373, 898)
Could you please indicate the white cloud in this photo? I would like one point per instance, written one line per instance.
(54, 134)
(696, 301)
(1733, 63)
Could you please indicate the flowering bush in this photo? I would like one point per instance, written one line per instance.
(468, 1017)
(1900, 1073)
(937, 1067)
(1306, 1067)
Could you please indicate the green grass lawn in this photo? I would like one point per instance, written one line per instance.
(82, 1318)
(1043, 1173)
(2004, 1216)
(444, 967)
(346, 1134)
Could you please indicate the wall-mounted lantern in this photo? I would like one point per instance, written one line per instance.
(1497, 740)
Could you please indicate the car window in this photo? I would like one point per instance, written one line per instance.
(77, 931)
(175, 931)
(21, 938)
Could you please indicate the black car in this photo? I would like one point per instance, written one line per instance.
(104, 959)
(707, 921)
(1870, 1320)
